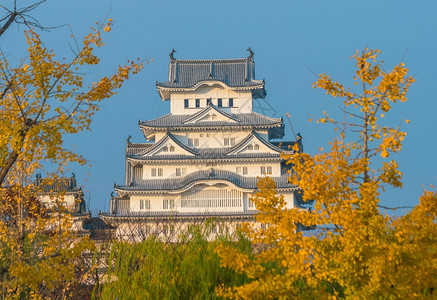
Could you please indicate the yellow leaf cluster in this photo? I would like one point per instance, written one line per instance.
(354, 249)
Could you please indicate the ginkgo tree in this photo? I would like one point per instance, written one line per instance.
(42, 99)
(357, 250)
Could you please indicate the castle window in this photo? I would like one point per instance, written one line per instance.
(186, 103)
(197, 103)
(256, 147)
(157, 172)
(168, 204)
(165, 149)
(266, 170)
(171, 148)
(193, 142)
(229, 142)
(238, 169)
(144, 204)
(231, 102)
(181, 171)
(244, 170)
(250, 147)
(208, 101)
(219, 102)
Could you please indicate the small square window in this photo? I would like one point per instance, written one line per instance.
(197, 103)
(186, 103)
(263, 170)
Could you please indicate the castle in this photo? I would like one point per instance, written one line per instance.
(205, 157)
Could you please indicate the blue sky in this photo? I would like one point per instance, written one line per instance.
(291, 39)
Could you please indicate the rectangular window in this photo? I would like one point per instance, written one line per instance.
(231, 102)
(229, 141)
(238, 169)
(168, 204)
(153, 172)
(181, 171)
(263, 170)
(144, 204)
(208, 101)
(219, 102)
(197, 103)
(266, 170)
(186, 103)
(193, 142)
(160, 172)
(244, 170)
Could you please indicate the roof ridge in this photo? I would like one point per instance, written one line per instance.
(208, 108)
(206, 61)
(165, 139)
(270, 118)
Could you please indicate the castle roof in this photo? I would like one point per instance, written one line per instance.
(63, 184)
(235, 73)
(141, 152)
(186, 182)
(247, 120)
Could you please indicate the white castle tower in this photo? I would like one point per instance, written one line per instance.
(206, 156)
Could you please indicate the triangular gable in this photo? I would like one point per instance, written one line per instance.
(168, 145)
(253, 144)
(211, 114)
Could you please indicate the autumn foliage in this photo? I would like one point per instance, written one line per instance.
(42, 99)
(357, 249)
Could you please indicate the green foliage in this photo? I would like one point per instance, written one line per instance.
(153, 269)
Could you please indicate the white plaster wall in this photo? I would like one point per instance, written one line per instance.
(67, 200)
(211, 139)
(242, 100)
(169, 170)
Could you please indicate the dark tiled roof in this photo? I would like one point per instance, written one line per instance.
(62, 184)
(207, 154)
(258, 137)
(287, 146)
(167, 137)
(253, 119)
(174, 184)
(135, 148)
(207, 109)
(172, 214)
(232, 72)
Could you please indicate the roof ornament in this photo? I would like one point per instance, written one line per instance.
(73, 175)
(128, 139)
(171, 55)
(251, 53)
(299, 137)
